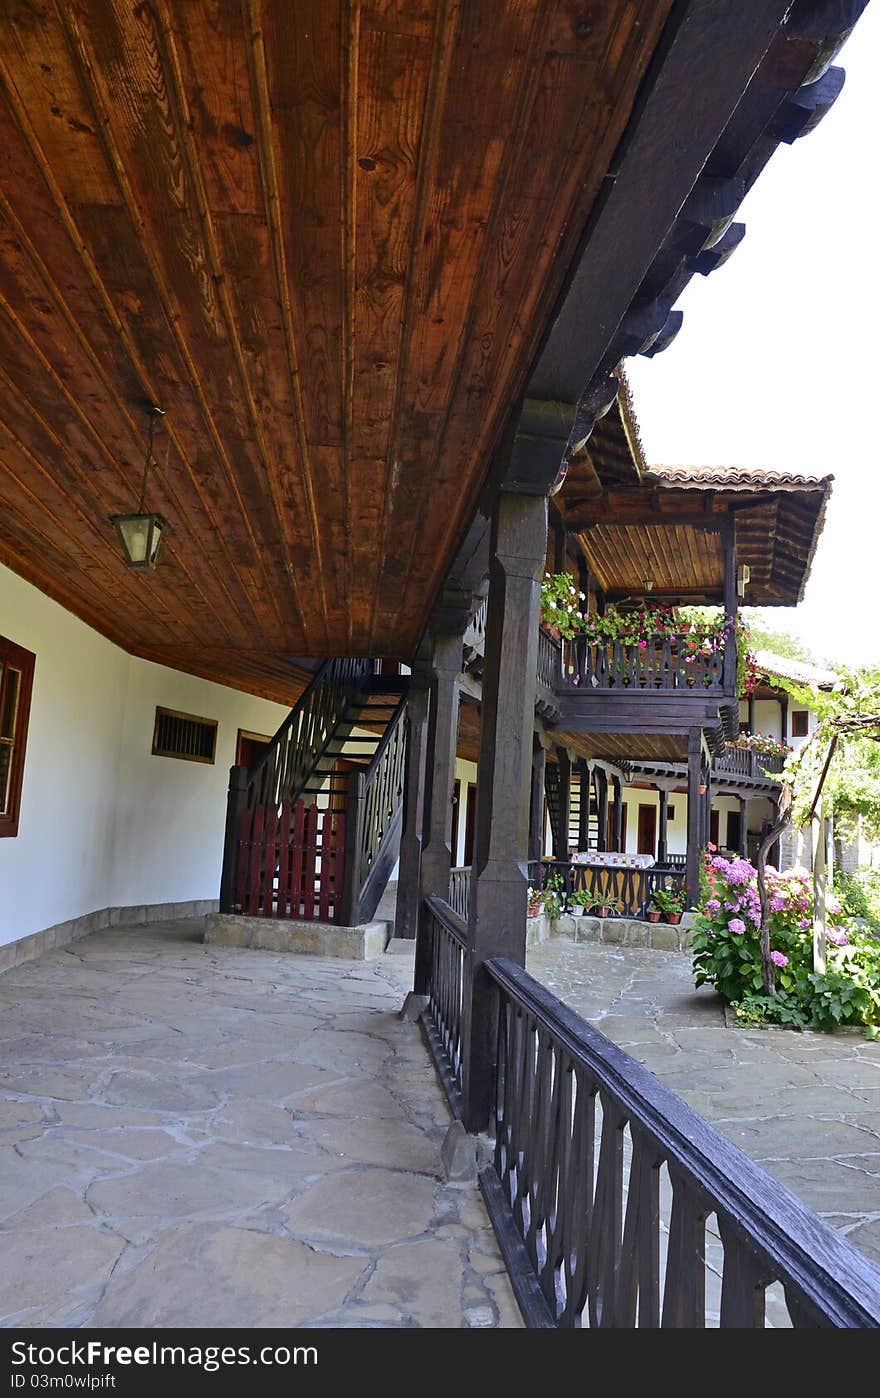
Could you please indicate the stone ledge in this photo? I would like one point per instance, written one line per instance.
(361, 943)
(621, 931)
(61, 934)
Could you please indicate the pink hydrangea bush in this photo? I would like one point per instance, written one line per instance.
(727, 950)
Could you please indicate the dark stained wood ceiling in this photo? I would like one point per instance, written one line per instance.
(325, 238)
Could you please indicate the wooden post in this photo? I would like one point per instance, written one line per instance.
(559, 545)
(536, 806)
(235, 799)
(601, 808)
(743, 827)
(618, 814)
(499, 879)
(406, 918)
(817, 825)
(751, 717)
(436, 861)
(583, 803)
(354, 829)
(783, 717)
(694, 817)
(662, 837)
(728, 543)
(560, 842)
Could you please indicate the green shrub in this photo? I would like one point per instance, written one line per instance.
(727, 951)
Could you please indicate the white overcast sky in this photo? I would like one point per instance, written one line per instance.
(777, 363)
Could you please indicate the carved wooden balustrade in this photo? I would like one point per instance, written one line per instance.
(748, 764)
(628, 890)
(617, 1206)
(442, 1021)
(665, 662)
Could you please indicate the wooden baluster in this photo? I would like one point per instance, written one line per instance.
(242, 861)
(639, 1280)
(684, 1298)
(559, 1173)
(743, 1282)
(268, 862)
(534, 1152)
(254, 863)
(311, 851)
(296, 879)
(607, 1214)
(578, 1240)
(326, 828)
(283, 859)
(338, 870)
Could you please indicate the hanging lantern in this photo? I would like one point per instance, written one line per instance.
(141, 533)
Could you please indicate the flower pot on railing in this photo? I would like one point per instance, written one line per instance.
(673, 917)
(653, 914)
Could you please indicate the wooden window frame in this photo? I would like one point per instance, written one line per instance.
(17, 658)
(797, 714)
(211, 723)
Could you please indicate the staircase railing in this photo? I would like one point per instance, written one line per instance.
(258, 795)
(375, 813)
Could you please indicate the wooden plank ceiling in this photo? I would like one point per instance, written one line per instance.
(325, 238)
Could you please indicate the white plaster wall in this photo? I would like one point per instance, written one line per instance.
(170, 814)
(103, 822)
(59, 865)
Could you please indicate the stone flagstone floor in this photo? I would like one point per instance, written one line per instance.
(202, 1136)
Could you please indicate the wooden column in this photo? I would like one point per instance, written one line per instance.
(406, 919)
(618, 813)
(584, 803)
(743, 827)
(235, 798)
(662, 837)
(559, 542)
(751, 718)
(536, 806)
(783, 718)
(601, 808)
(560, 838)
(436, 860)
(694, 816)
(497, 924)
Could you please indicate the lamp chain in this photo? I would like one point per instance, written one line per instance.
(147, 460)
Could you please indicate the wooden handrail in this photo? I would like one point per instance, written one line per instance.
(596, 1260)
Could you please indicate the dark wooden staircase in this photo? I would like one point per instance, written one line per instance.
(313, 828)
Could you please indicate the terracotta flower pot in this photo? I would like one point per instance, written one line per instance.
(673, 917)
(653, 915)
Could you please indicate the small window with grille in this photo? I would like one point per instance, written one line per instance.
(185, 736)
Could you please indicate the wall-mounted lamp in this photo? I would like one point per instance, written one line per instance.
(141, 533)
(648, 584)
(743, 574)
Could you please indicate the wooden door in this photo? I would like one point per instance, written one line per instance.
(250, 747)
(647, 831)
(713, 828)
